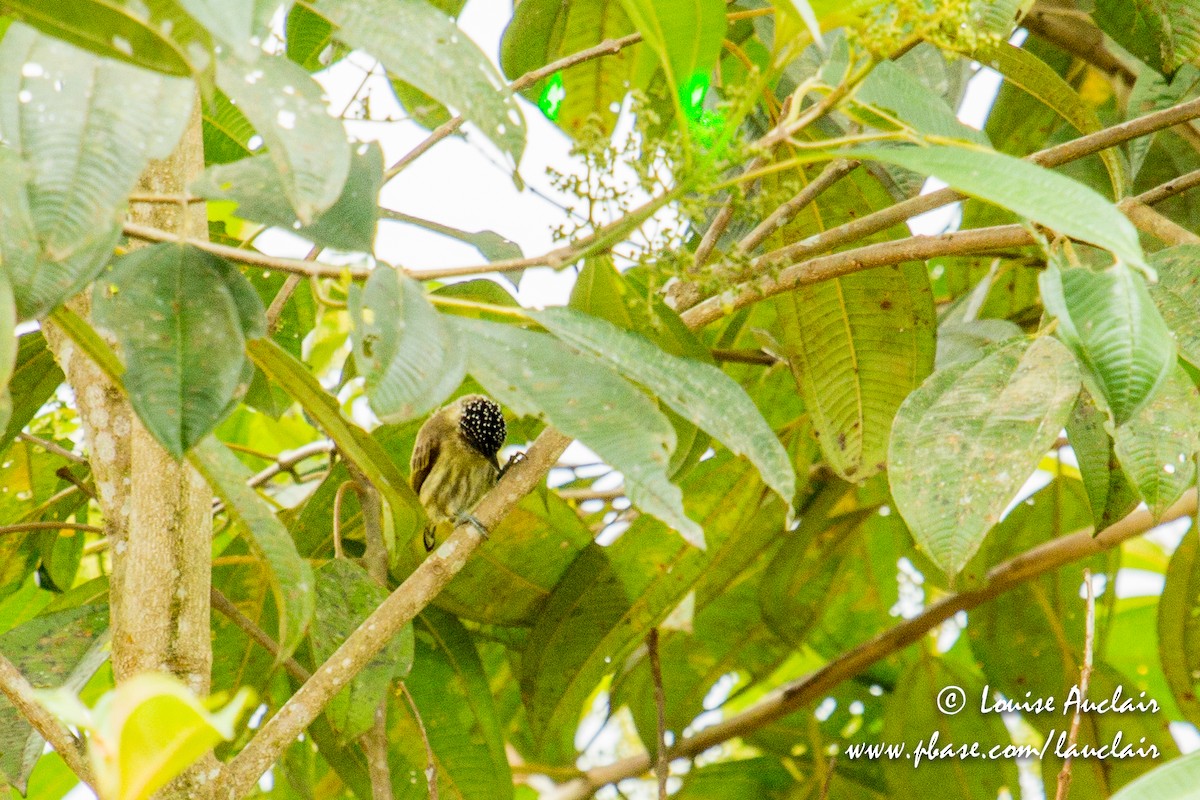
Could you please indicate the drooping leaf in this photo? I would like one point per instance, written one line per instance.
(346, 595)
(535, 374)
(290, 577)
(1157, 446)
(1109, 492)
(965, 442)
(1109, 321)
(82, 129)
(35, 378)
(161, 36)
(354, 444)
(254, 184)
(182, 317)
(450, 689)
(858, 345)
(411, 358)
(287, 107)
(1021, 67)
(1048, 198)
(490, 244)
(700, 392)
(421, 45)
(1179, 627)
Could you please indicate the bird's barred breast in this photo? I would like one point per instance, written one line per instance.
(455, 484)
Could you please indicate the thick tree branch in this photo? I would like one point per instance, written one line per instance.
(240, 775)
(1150, 221)
(1002, 578)
(20, 693)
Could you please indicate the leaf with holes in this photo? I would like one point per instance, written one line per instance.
(182, 317)
(1157, 446)
(966, 441)
(82, 129)
(700, 392)
(858, 345)
(419, 44)
(287, 108)
(1108, 319)
(411, 358)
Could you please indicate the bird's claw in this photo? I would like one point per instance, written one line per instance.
(513, 460)
(471, 519)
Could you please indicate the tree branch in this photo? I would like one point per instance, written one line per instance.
(796, 695)
(20, 693)
(239, 776)
(49, 525)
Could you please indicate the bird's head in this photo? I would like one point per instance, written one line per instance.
(481, 423)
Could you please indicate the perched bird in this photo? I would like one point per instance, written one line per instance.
(454, 461)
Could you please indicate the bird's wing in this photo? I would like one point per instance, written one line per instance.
(425, 452)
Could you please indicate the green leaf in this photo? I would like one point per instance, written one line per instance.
(1024, 69)
(287, 108)
(490, 244)
(1109, 321)
(1177, 295)
(1157, 446)
(997, 16)
(421, 45)
(1175, 780)
(149, 730)
(346, 595)
(896, 90)
(227, 132)
(354, 444)
(1048, 198)
(289, 576)
(858, 345)
(762, 777)
(35, 378)
(451, 691)
(543, 31)
(411, 358)
(62, 648)
(699, 392)
(160, 35)
(1179, 627)
(535, 374)
(182, 317)
(1109, 492)
(966, 441)
(686, 35)
(1152, 92)
(83, 129)
(611, 596)
(255, 185)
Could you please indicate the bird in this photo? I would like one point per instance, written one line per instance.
(454, 461)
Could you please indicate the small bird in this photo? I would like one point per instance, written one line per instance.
(454, 461)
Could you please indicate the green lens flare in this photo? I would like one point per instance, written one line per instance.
(692, 94)
(552, 97)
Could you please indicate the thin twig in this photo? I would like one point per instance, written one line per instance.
(224, 605)
(834, 171)
(1085, 677)
(48, 525)
(829, 773)
(51, 447)
(338, 497)
(430, 761)
(663, 767)
(760, 357)
(592, 494)
(288, 460)
(20, 693)
(1150, 221)
(605, 48)
(1004, 577)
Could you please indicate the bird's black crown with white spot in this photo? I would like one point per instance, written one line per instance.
(483, 426)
